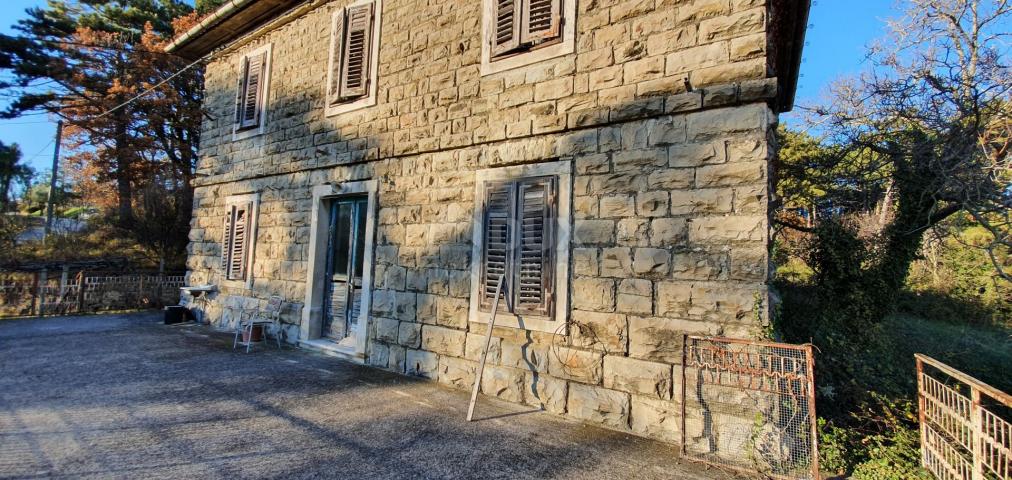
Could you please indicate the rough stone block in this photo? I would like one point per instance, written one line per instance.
(635, 296)
(591, 232)
(652, 262)
(421, 364)
(606, 332)
(667, 232)
(457, 372)
(658, 419)
(503, 383)
(652, 204)
(529, 356)
(573, 364)
(728, 229)
(613, 206)
(387, 330)
(545, 392)
(585, 262)
(637, 376)
(599, 405)
(595, 294)
(410, 334)
(446, 341)
(616, 262)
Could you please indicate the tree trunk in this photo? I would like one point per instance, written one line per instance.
(124, 167)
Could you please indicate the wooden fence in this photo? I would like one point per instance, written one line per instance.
(43, 293)
(965, 429)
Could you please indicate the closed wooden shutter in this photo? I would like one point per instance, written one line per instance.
(252, 93)
(505, 26)
(336, 58)
(542, 20)
(226, 239)
(239, 89)
(498, 242)
(239, 248)
(535, 246)
(357, 51)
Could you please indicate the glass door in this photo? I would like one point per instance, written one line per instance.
(345, 252)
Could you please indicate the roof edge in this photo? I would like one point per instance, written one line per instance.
(221, 13)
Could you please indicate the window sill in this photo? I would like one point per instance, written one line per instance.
(364, 102)
(238, 134)
(490, 66)
(522, 322)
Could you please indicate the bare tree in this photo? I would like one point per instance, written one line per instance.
(935, 114)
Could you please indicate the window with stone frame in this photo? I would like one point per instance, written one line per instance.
(519, 218)
(251, 93)
(239, 237)
(518, 33)
(352, 64)
(521, 25)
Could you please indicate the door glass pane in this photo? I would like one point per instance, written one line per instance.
(360, 212)
(342, 239)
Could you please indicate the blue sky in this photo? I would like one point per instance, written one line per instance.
(835, 46)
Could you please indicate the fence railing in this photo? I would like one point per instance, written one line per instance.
(749, 406)
(38, 294)
(966, 432)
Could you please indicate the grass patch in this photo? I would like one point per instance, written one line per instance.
(981, 351)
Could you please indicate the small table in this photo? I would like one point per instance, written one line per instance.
(200, 296)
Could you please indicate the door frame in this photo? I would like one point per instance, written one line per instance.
(316, 270)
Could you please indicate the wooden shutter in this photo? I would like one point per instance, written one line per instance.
(505, 26)
(226, 239)
(542, 20)
(535, 244)
(239, 248)
(357, 50)
(239, 89)
(336, 57)
(252, 93)
(498, 242)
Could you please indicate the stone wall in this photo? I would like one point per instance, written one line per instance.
(670, 190)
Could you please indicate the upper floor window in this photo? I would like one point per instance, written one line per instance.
(521, 32)
(251, 93)
(354, 52)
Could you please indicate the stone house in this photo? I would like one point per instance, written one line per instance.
(383, 164)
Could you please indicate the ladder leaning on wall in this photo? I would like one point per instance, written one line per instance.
(484, 350)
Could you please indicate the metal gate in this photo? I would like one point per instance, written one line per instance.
(750, 406)
(965, 429)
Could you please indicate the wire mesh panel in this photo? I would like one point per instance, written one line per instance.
(966, 432)
(750, 406)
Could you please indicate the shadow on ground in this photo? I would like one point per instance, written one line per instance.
(121, 396)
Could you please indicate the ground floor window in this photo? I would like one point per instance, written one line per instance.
(521, 238)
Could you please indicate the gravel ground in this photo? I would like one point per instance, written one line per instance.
(122, 396)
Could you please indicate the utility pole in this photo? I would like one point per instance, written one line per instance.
(52, 181)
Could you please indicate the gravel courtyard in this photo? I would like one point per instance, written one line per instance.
(122, 396)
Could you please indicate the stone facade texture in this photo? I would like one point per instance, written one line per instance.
(663, 112)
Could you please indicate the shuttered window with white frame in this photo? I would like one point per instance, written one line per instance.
(251, 92)
(353, 48)
(238, 237)
(520, 25)
(519, 244)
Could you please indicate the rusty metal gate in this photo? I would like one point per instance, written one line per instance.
(965, 429)
(750, 406)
